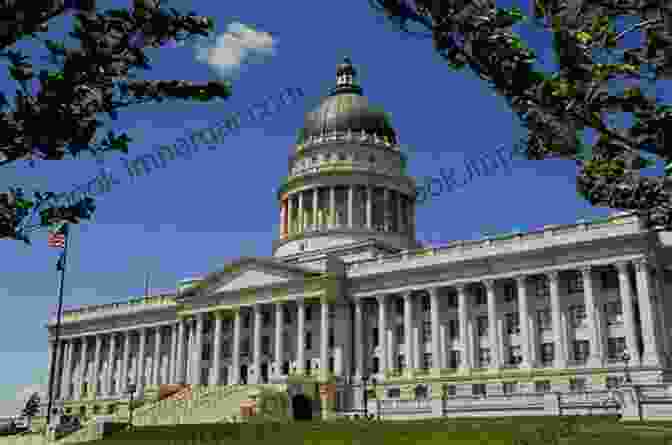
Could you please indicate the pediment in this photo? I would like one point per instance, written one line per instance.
(249, 278)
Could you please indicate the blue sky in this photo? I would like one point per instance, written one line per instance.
(195, 215)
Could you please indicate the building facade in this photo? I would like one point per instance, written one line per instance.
(349, 294)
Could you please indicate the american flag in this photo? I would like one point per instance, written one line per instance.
(57, 236)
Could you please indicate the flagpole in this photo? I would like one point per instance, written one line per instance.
(61, 267)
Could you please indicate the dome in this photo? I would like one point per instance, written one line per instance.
(345, 108)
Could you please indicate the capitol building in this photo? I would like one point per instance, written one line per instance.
(350, 297)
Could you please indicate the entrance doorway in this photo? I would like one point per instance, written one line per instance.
(243, 375)
(302, 407)
(264, 372)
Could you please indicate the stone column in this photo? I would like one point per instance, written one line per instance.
(315, 207)
(359, 340)
(408, 335)
(172, 369)
(51, 346)
(198, 349)
(82, 375)
(324, 339)
(140, 373)
(125, 361)
(369, 207)
(95, 378)
(495, 341)
(351, 199)
(256, 338)
(278, 339)
(332, 207)
(628, 311)
(282, 218)
(651, 354)
(217, 353)
(596, 358)
(394, 342)
(180, 361)
(463, 322)
(434, 314)
(559, 340)
(111, 355)
(382, 327)
(301, 223)
(387, 221)
(523, 315)
(300, 322)
(290, 215)
(157, 355)
(236, 347)
(400, 222)
(65, 377)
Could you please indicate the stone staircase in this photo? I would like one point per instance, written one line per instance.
(207, 404)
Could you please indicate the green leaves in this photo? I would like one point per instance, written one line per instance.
(112, 142)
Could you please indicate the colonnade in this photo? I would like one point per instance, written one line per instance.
(357, 206)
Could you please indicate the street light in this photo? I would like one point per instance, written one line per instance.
(626, 358)
(130, 389)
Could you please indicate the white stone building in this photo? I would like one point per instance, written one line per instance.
(350, 293)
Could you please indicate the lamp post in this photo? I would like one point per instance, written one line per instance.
(130, 390)
(626, 358)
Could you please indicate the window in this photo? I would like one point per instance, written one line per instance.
(426, 331)
(544, 319)
(547, 353)
(509, 292)
(454, 359)
(245, 347)
(609, 279)
(288, 316)
(307, 367)
(614, 311)
(400, 306)
(615, 348)
(425, 303)
(613, 382)
(426, 361)
(308, 341)
(332, 338)
(205, 354)
(484, 357)
(341, 156)
(207, 324)
(421, 392)
(453, 328)
(509, 387)
(515, 355)
(332, 311)
(401, 361)
(285, 367)
(575, 283)
(376, 365)
(541, 286)
(452, 299)
(480, 295)
(226, 349)
(542, 386)
(581, 350)
(246, 321)
(309, 312)
(512, 323)
(451, 390)
(266, 344)
(331, 364)
(266, 318)
(375, 337)
(394, 393)
(577, 384)
(482, 325)
(372, 159)
(478, 389)
(400, 333)
(578, 315)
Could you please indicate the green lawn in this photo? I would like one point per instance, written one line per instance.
(582, 430)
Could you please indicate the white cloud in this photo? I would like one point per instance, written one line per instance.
(239, 45)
